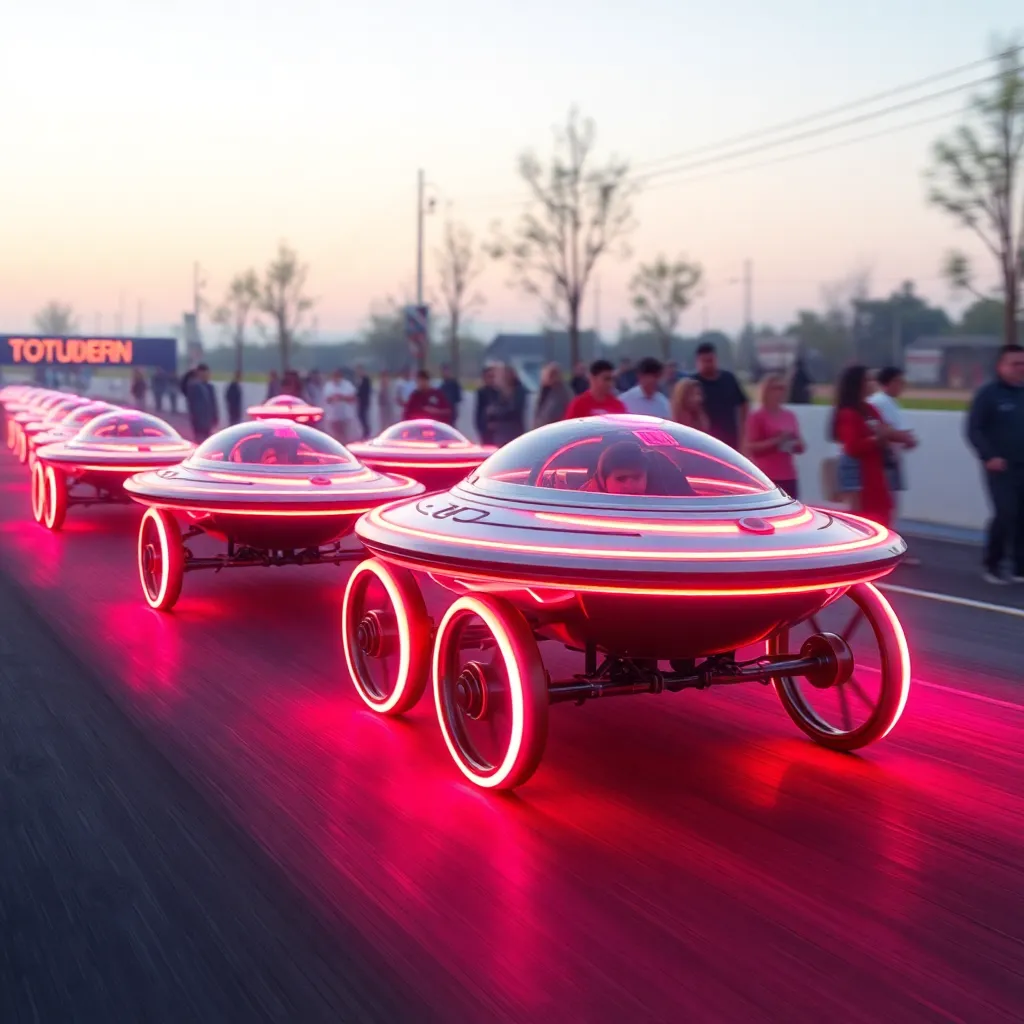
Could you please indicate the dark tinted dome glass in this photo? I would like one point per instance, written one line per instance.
(285, 400)
(273, 443)
(639, 456)
(420, 432)
(124, 424)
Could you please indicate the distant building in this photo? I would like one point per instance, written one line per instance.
(528, 353)
(959, 361)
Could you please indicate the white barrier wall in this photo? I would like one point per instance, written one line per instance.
(945, 486)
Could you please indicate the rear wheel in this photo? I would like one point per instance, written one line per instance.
(161, 559)
(55, 508)
(38, 490)
(863, 708)
(490, 691)
(386, 637)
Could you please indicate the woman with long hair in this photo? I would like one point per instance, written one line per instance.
(864, 437)
(554, 396)
(688, 404)
(773, 435)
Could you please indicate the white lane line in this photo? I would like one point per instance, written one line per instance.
(967, 694)
(964, 602)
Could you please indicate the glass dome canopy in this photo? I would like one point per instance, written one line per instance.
(424, 434)
(623, 455)
(272, 443)
(128, 430)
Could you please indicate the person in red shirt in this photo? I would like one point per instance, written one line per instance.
(864, 435)
(427, 402)
(600, 397)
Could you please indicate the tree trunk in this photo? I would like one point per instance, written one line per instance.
(1011, 335)
(666, 346)
(574, 336)
(454, 355)
(239, 342)
(285, 342)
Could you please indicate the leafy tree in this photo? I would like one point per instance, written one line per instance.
(242, 297)
(885, 327)
(459, 265)
(983, 317)
(977, 178)
(577, 213)
(283, 298)
(56, 319)
(661, 291)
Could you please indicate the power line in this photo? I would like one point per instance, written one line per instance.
(824, 130)
(841, 143)
(821, 114)
(690, 164)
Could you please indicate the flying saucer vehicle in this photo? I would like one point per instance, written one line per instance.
(286, 407)
(433, 453)
(277, 492)
(55, 415)
(655, 551)
(91, 468)
(65, 426)
(29, 410)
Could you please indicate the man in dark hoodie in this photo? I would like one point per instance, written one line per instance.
(995, 428)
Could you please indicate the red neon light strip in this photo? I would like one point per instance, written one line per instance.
(880, 535)
(664, 526)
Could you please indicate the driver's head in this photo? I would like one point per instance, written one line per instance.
(622, 469)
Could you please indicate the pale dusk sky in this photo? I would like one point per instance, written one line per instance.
(141, 136)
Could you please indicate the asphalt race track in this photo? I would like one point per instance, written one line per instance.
(202, 823)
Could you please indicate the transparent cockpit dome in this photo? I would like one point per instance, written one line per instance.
(285, 401)
(82, 414)
(638, 456)
(128, 428)
(63, 409)
(273, 443)
(421, 434)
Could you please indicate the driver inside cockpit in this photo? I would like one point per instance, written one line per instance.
(622, 469)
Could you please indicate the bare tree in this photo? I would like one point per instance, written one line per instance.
(283, 298)
(976, 178)
(661, 292)
(459, 265)
(56, 319)
(242, 297)
(577, 213)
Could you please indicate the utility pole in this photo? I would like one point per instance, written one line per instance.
(120, 314)
(195, 293)
(597, 309)
(420, 212)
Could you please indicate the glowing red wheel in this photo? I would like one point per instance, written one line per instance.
(38, 488)
(161, 559)
(21, 449)
(386, 637)
(864, 708)
(490, 690)
(55, 507)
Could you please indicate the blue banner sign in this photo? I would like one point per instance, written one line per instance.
(35, 350)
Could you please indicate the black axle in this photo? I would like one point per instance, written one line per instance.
(247, 558)
(825, 660)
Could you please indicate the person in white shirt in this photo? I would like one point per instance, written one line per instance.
(890, 383)
(646, 399)
(339, 405)
(404, 387)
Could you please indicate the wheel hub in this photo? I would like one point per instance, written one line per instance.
(370, 635)
(835, 660)
(149, 559)
(471, 691)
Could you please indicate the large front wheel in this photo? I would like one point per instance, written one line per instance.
(161, 559)
(38, 490)
(55, 506)
(863, 708)
(490, 691)
(386, 637)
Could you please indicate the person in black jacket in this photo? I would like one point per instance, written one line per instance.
(486, 394)
(233, 400)
(995, 428)
(202, 404)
